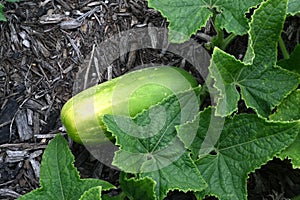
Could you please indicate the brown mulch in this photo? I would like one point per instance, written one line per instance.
(43, 45)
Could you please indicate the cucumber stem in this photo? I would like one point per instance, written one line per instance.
(222, 42)
(219, 38)
(283, 49)
(227, 41)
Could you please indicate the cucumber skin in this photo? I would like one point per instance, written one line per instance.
(82, 114)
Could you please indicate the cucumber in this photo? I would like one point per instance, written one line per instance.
(127, 95)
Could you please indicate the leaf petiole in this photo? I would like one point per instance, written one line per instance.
(220, 41)
(227, 41)
(283, 49)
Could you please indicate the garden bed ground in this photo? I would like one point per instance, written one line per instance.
(44, 44)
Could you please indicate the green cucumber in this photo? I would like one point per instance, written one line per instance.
(127, 95)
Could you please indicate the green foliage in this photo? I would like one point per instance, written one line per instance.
(92, 194)
(262, 88)
(289, 110)
(263, 85)
(59, 179)
(293, 62)
(265, 29)
(186, 16)
(210, 152)
(163, 154)
(134, 188)
(296, 198)
(245, 143)
(2, 17)
(293, 7)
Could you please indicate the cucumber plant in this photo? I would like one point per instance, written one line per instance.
(186, 17)
(139, 90)
(191, 155)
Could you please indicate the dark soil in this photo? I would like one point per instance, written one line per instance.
(42, 51)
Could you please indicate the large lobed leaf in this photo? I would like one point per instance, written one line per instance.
(265, 29)
(185, 16)
(232, 16)
(261, 88)
(188, 16)
(59, 178)
(161, 155)
(289, 110)
(245, 143)
(263, 85)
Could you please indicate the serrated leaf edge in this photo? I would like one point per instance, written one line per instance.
(221, 95)
(177, 127)
(250, 40)
(229, 31)
(292, 13)
(258, 167)
(284, 97)
(89, 190)
(195, 89)
(296, 120)
(186, 37)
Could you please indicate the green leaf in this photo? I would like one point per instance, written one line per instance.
(262, 84)
(156, 152)
(92, 194)
(59, 179)
(293, 63)
(293, 7)
(12, 1)
(120, 196)
(289, 110)
(231, 15)
(185, 16)
(265, 29)
(296, 198)
(188, 16)
(2, 17)
(209, 124)
(292, 152)
(137, 188)
(261, 88)
(245, 143)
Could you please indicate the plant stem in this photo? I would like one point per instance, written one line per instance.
(121, 196)
(227, 41)
(219, 38)
(283, 49)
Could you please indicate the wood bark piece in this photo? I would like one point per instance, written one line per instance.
(25, 132)
(9, 193)
(35, 166)
(15, 156)
(7, 115)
